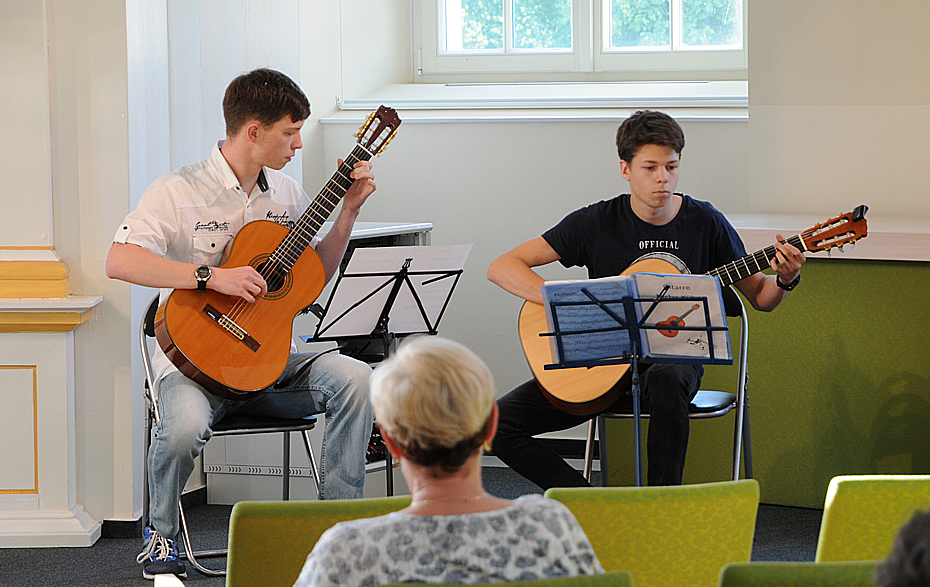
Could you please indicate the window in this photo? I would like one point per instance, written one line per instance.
(579, 40)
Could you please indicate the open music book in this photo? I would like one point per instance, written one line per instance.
(684, 318)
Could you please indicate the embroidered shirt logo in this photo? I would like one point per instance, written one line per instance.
(283, 219)
(210, 227)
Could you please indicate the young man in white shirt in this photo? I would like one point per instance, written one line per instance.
(176, 239)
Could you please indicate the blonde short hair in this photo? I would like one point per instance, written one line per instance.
(434, 398)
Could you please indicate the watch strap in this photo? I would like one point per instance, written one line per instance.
(788, 286)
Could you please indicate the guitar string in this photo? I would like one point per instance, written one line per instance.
(757, 258)
(296, 240)
(282, 259)
(242, 310)
(761, 258)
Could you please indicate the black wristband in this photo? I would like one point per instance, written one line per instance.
(788, 286)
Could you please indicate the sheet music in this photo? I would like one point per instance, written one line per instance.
(668, 342)
(585, 316)
(572, 306)
(405, 317)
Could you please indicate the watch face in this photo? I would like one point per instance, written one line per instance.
(203, 272)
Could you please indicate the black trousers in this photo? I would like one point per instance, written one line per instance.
(525, 412)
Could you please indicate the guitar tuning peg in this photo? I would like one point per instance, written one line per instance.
(829, 252)
(841, 249)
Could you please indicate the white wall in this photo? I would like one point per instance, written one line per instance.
(24, 113)
(90, 177)
(839, 98)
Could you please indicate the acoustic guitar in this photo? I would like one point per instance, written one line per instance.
(587, 391)
(233, 347)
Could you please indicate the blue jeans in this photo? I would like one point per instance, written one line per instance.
(335, 385)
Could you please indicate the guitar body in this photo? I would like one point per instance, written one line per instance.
(212, 355)
(578, 390)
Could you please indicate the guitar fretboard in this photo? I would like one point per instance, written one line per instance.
(290, 249)
(754, 263)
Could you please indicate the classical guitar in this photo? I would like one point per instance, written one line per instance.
(587, 391)
(233, 347)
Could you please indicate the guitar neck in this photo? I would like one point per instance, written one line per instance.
(754, 263)
(300, 237)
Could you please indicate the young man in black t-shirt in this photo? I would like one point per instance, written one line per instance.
(652, 221)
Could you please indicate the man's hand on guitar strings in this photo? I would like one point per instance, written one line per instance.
(244, 282)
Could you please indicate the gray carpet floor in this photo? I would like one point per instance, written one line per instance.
(782, 534)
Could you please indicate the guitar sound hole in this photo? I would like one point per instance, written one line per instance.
(274, 277)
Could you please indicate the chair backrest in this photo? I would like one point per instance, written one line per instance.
(269, 541)
(608, 579)
(863, 513)
(667, 535)
(805, 574)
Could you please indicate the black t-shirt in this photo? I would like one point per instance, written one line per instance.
(607, 237)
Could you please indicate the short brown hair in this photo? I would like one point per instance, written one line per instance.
(264, 95)
(648, 127)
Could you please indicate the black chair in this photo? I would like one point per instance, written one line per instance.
(706, 404)
(228, 426)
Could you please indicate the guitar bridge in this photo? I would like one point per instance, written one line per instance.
(230, 326)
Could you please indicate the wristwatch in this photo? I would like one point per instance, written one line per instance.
(788, 286)
(203, 273)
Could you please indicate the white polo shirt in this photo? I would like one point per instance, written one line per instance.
(192, 214)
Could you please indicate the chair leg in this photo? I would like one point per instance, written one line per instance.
(192, 555)
(314, 470)
(738, 428)
(589, 450)
(602, 440)
(747, 443)
(286, 468)
(388, 475)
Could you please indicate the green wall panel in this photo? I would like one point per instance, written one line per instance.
(839, 385)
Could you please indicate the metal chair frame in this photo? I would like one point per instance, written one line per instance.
(229, 426)
(706, 404)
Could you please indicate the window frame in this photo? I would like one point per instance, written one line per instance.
(588, 61)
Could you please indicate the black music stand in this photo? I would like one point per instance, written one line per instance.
(624, 319)
(385, 304)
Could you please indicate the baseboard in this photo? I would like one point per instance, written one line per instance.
(133, 528)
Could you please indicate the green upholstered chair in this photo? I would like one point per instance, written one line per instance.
(608, 579)
(863, 513)
(667, 536)
(806, 574)
(269, 541)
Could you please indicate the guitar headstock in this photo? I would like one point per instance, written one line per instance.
(836, 232)
(378, 129)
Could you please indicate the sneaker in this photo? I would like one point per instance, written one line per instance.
(159, 555)
(376, 449)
